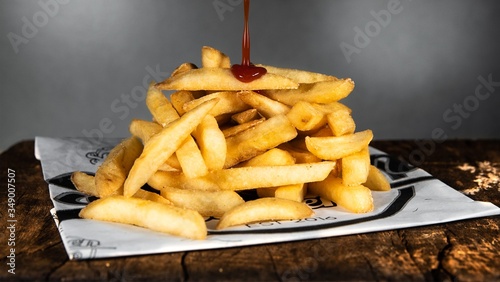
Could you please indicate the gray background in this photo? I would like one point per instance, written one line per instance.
(78, 60)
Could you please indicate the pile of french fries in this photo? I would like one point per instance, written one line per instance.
(286, 135)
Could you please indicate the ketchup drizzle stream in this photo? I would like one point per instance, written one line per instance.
(246, 71)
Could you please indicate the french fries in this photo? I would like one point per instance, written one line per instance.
(285, 135)
(264, 209)
(222, 79)
(161, 146)
(355, 198)
(153, 215)
(376, 180)
(113, 172)
(207, 203)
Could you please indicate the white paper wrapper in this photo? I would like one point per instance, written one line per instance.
(417, 199)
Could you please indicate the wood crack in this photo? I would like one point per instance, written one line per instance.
(185, 271)
(441, 257)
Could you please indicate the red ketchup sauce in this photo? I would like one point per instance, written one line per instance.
(246, 71)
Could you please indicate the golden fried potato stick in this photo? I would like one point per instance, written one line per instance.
(112, 173)
(179, 98)
(274, 156)
(355, 167)
(244, 178)
(305, 117)
(144, 213)
(213, 58)
(229, 103)
(294, 192)
(211, 142)
(159, 106)
(166, 179)
(222, 79)
(246, 116)
(265, 106)
(299, 76)
(357, 198)
(337, 147)
(144, 130)
(84, 183)
(150, 196)
(264, 209)
(183, 68)
(258, 139)
(322, 92)
(207, 203)
(161, 146)
(233, 130)
(376, 180)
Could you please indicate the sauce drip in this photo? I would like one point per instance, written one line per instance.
(246, 71)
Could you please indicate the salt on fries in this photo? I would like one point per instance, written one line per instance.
(285, 135)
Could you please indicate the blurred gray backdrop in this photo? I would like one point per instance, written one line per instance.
(423, 69)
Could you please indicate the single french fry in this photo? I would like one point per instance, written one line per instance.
(376, 180)
(152, 215)
(207, 203)
(334, 148)
(229, 103)
(179, 98)
(211, 142)
(161, 146)
(295, 192)
(264, 209)
(341, 123)
(357, 198)
(191, 158)
(322, 92)
(150, 196)
(250, 177)
(164, 179)
(355, 167)
(159, 106)
(305, 117)
(183, 68)
(144, 129)
(264, 105)
(234, 130)
(256, 140)
(84, 183)
(213, 58)
(245, 178)
(222, 79)
(299, 76)
(274, 156)
(112, 173)
(332, 107)
(246, 116)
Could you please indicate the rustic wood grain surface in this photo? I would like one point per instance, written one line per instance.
(467, 250)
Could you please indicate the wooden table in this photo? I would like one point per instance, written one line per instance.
(460, 251)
